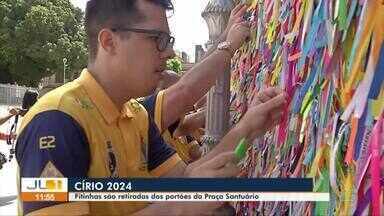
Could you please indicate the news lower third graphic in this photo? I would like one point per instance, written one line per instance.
(168, 189)
(44, 189)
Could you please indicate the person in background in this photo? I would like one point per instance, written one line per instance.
(4, 136)
(12, 112)
(179, 134)
(29, 98)
(168, 78)
(3, 160)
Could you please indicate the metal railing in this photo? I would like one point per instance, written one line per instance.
(12, 94)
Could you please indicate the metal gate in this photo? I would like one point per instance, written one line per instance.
(12, 94)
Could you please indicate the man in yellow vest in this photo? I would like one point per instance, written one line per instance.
(93, 126)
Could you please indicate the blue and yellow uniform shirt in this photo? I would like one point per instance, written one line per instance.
(76, 131)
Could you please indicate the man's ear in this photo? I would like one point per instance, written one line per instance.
(107, 41)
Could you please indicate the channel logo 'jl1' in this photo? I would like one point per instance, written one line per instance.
(46, 185)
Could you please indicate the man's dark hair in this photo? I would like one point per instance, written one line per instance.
(101, 14)
(29, 99)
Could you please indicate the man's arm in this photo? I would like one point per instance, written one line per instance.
(193, 85)
(236, 17)
(12, 112)
(228, 143)
(5, 118)
(191, 123)
(263, 114)
(53, 145)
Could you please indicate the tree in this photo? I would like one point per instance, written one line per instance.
(35, 37)
(175, 65)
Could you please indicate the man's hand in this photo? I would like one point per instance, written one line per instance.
(223, 165)
(14, 111)
(264, 113)
(238, 34)
(236, 16)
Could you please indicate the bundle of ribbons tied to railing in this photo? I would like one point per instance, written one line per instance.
(328, 56)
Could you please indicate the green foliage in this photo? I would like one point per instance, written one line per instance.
(35, 36)
(175, 65)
